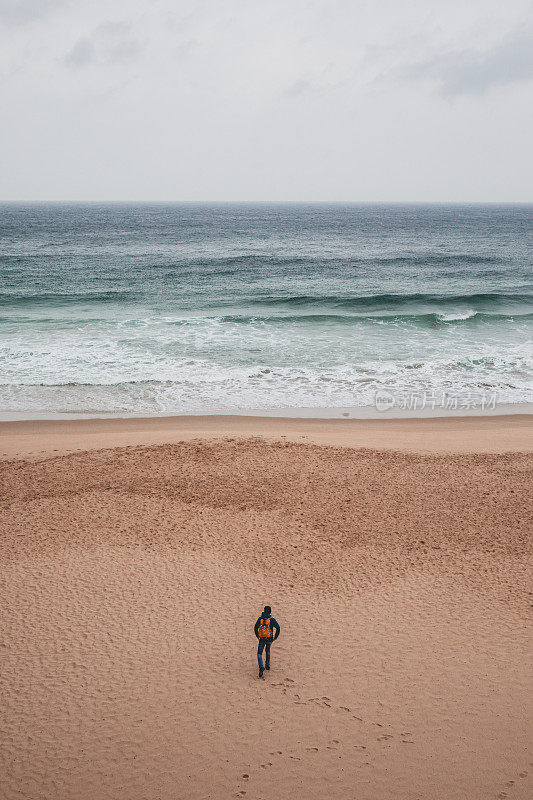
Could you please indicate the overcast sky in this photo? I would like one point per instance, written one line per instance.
(270, 100)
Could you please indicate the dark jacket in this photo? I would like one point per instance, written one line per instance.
(273, 625)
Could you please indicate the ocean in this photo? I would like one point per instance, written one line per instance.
(187, 308)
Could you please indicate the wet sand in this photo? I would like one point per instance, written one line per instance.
(131, 578)
(470, 434)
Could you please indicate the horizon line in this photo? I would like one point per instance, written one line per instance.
(264, 202)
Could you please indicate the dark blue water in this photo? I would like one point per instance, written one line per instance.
(184, 308)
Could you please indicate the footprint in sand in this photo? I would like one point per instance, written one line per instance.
(510, 784)
(312, 749)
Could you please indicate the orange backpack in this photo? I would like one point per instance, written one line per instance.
(264, 630)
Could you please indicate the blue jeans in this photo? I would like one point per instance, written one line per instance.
(263, 643)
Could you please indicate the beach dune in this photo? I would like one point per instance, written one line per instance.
(131, 578)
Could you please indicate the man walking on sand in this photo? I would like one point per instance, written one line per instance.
(264, 630)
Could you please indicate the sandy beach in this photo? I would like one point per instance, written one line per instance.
(468, 434)
(137, 554)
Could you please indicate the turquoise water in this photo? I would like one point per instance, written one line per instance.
(195, 308)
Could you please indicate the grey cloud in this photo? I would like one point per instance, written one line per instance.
(125, 50)
(22, 12)
(320, 83)
(112, 28)
(299, 87)
(109, 42)
(471, 72)
(185, 49)
(82, 54)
